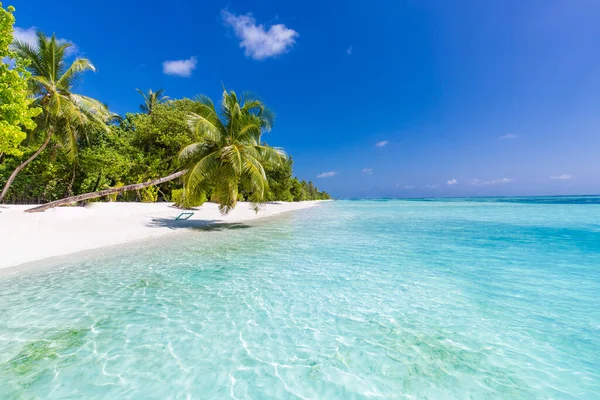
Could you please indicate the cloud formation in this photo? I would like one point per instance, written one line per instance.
(452, 182)
(29, 36)
(367, 170)
(26, 35)
(382, 143)
(479, 182)
(562, 177)
(328, 174)
(349, 50)
(180, 67)
(508, 136)
(260, 43)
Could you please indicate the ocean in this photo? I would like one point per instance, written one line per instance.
(494, 298)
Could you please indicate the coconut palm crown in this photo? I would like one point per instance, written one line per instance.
(64, 113)
(229, 151)
(151, 99)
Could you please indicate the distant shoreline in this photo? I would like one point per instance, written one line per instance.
(66, 230)
(469, 197)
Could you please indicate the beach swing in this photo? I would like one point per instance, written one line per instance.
(184, 216)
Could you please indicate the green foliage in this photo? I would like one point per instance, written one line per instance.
(283, 187)
(302, 191)
(149, 194)
(142, 147)
(152, 99)
(64, 113)
(107, 158)
(45, 179)
(113, 197)
(228, 152)
(16, 113)
(178, 196)
(280, 181)
(164, 132)
(297, 191)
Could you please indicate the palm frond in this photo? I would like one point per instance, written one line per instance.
(232, 155)
(267, 118)
(71, 141)
(205, 100)
(78, 66)
(203, 170)
(226, 190)
(249, 133)
(258, 178)
(229, 151)
(269, 155)
(91, 106)
(192, 150)
(204, 128)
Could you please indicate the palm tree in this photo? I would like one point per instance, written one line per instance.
(64, 113)
(151, 99)
(229, 153)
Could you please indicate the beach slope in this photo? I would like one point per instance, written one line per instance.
(60, 231)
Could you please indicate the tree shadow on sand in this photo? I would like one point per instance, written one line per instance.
(201, 225)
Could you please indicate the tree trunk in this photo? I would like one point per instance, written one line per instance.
(69, 191)
(12, 176)
(106, 192)
(97, 182)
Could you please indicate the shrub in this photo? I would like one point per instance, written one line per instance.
(113, 197)
(149, 194)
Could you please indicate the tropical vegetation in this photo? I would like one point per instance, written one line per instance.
(64, 147)
(64, 114)
(16, 109)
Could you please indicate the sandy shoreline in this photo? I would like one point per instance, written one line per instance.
(25, 238)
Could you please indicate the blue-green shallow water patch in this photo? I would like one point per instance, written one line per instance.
(357, 299)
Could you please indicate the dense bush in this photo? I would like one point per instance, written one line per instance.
(139, 148)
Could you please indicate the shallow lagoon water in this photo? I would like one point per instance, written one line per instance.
(351, 299)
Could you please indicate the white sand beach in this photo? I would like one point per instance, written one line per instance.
(60, 231)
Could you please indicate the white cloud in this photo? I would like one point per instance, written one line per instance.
(382, 143)
(452, 182)
(407, 187)
(349, 50)
(258, 42)
(180, 67)
(367, 170)
(501, 180)
(508, 136)
(430, 186)
(328, 174)
(479, 182)
(562, 177)
(29, 36)
(26, 35)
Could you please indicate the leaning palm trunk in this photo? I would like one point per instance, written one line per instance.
(12, 176)
(106, 192)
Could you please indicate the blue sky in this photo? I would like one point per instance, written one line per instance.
(386, 98)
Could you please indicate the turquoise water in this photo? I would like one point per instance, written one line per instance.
(457, 299)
